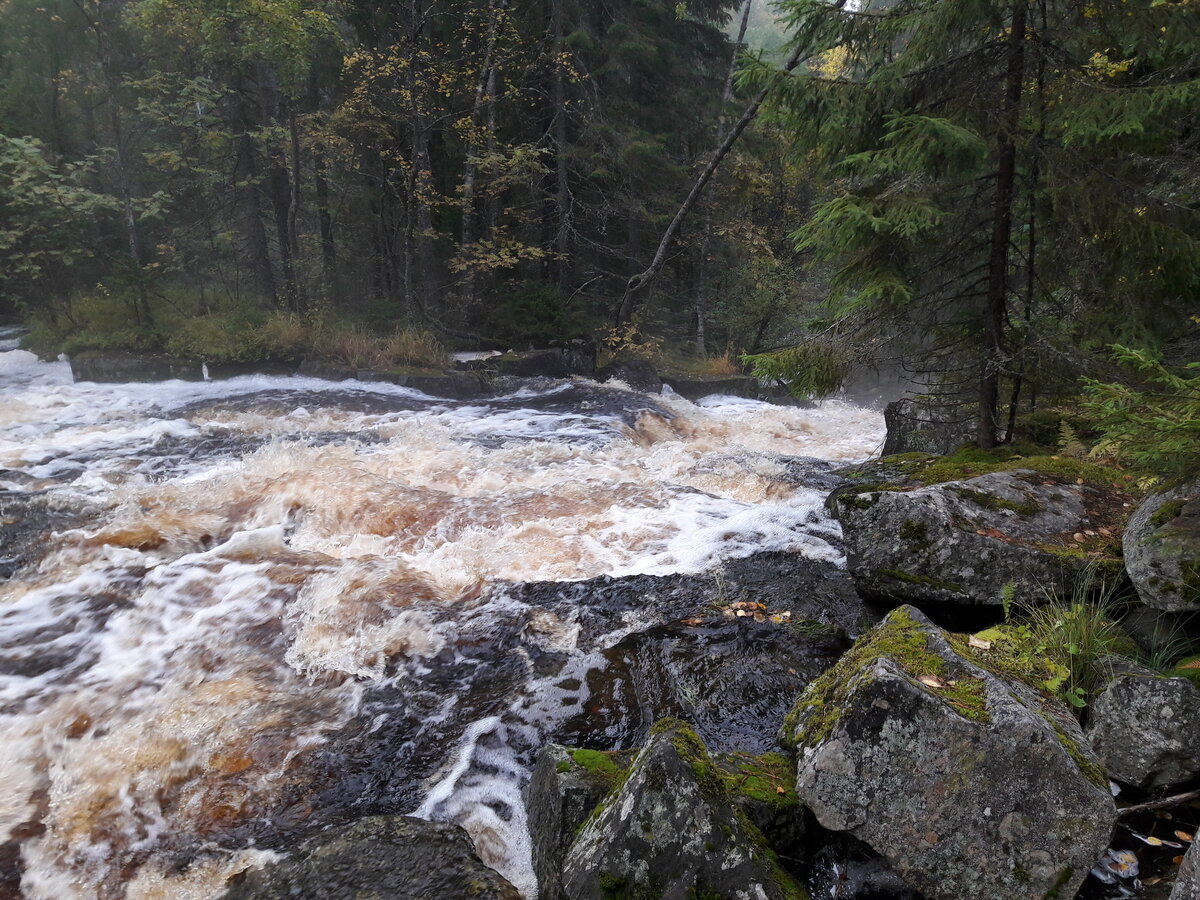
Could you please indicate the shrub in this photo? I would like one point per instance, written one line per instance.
(412, 347)
(1154, 427)
(359, 349)
(809, 371)
(221, 337)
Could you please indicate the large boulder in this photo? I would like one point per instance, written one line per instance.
(1001, 537)
(1145, 729)
(673, 831)
(970, 784)
(566, 786)
(695, 387)
(638, 374)
(925, 426)
(1162, 549)
(378, 858)
(1187, 882)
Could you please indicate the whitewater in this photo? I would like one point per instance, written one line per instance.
(234, 610)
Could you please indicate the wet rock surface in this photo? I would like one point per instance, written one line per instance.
(567, 784)
(1187, 882)
(732, 678)
(27, 523)
(1162, 549)
(637, 374)
(969, 784)
(915, 425)
(672, 830)
(968, 542)
(378, 858)
(1145, 729)
(693, 388)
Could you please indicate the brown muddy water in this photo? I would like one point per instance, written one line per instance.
(231, 612)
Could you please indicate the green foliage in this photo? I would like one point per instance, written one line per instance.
(46, 214)
(1154, 425)
(1067, 645)
(809, 371)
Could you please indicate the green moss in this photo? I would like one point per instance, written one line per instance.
(972, 462)
(994, 503)
(1091, 769)
(759, 778)
(903, 640)
(563, 766)
(858, 501)
(915, 535)
(599, 763)
(910, 578)
(1168, 512)
(720, 785)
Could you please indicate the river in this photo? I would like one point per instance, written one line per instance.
(232, 611)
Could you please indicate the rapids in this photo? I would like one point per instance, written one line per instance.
(271, 603)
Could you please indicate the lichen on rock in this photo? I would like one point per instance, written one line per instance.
(969, 783)
(674, 829)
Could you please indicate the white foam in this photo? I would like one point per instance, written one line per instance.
(235, 604)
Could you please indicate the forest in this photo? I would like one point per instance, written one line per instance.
(983, 197)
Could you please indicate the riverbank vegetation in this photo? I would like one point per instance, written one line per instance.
(974, 200)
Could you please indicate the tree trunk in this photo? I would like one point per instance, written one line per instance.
(642, 280)
(471, 167)
(279, 182)
(246, 186)
(700, 299)
(997, 287)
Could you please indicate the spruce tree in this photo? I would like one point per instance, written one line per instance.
(1005, 166)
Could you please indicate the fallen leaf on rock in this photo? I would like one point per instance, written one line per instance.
(1078, 536)
(979, 643)
(1184, 836)
(1154, 880)
(780, 790)
(694, 620)
(934, 681)
(1178, 860)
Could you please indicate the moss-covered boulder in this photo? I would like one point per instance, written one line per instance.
(969, 782)
(567, 785)
(1187, 882)
(996, 538)
(1145, 729)
(1162, 549)
(673, 830)
(378, 858)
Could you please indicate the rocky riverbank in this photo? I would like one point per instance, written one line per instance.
(786, 761)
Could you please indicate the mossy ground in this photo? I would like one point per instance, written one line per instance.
(920, 469)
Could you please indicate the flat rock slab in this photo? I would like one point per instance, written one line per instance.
(969, 784)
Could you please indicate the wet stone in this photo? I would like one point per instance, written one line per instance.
(673, 831)
(378, 858)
